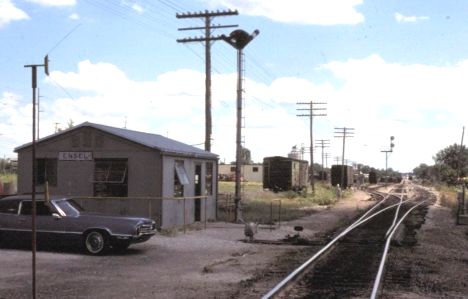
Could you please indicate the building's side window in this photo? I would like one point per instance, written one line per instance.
(233, 168)
(180, 178)
(110, 177)
(255, 169)
(209, 178)
(46, 171)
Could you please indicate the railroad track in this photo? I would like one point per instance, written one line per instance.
(353, 263)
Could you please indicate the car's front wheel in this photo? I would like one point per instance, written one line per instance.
(96, 242)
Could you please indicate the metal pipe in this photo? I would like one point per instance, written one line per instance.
(238, 136)
(279, 214)
(184, 217)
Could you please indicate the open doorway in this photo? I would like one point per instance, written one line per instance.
(198, 189)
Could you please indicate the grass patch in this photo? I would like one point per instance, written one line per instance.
(264, 206)
(8, 178)
(448, 197)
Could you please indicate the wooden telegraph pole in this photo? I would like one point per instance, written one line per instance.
(207, 16)
(311, 115)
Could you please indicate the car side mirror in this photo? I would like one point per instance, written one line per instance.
(56, 216)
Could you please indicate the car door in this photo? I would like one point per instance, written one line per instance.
(48, 228)
(9, 220)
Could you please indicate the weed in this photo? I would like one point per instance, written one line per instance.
(264, 206)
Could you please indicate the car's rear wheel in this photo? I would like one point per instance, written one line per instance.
(96, 242)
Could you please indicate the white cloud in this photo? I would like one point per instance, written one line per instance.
(74, 16)
(381, 99)
(133, 5)
(138, 8)
(54, 2)
(16, 120)
(418, 104)
(9, 13)
(409, 19)
(317, 12)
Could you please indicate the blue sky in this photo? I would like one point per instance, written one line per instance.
(384, 68)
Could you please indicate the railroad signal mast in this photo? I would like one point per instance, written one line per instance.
(208, 39)
(34, 67)
(311, 115)
(344, 133)
(386, 156)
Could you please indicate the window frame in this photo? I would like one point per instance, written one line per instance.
(209, 170)
(104, 182)
(180, 178)
(46, 171)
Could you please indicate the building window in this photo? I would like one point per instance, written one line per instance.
(46, 171)
(255, 169)
(110, 177)
(209, 178)
(233, 168)
(180, 178)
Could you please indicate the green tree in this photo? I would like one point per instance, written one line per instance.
(423, 171)
(451, 163)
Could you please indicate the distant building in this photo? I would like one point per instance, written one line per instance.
(92, 160)
(249, 173)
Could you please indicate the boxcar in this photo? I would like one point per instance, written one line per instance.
(372, 177)
(281, 174)
(336, 176)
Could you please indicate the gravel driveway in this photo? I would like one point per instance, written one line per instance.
(209, 263)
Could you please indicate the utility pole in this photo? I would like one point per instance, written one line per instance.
(323, 143)
(38, 110)
(207, 16)
(337, 160)
(459, 168)
(343, 133)
(311, 115)
(33, 162)
(386, 157)
(327, 155)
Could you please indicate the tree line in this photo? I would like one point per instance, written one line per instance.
(450, 166)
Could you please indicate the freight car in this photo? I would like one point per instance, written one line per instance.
(372, 177)
(281, 174)
(336, 175)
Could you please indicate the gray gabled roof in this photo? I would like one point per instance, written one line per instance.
(155, 141)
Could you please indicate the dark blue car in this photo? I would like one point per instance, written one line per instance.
(63, 221)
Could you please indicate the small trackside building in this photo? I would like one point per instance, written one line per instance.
(97, 161)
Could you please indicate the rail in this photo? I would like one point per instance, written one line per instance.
(363, 219)
(378, 278)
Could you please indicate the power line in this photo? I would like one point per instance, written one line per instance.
(207, 16)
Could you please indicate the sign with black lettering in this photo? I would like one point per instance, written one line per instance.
(75, 156)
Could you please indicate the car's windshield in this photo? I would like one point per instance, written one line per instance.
(69, 207)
